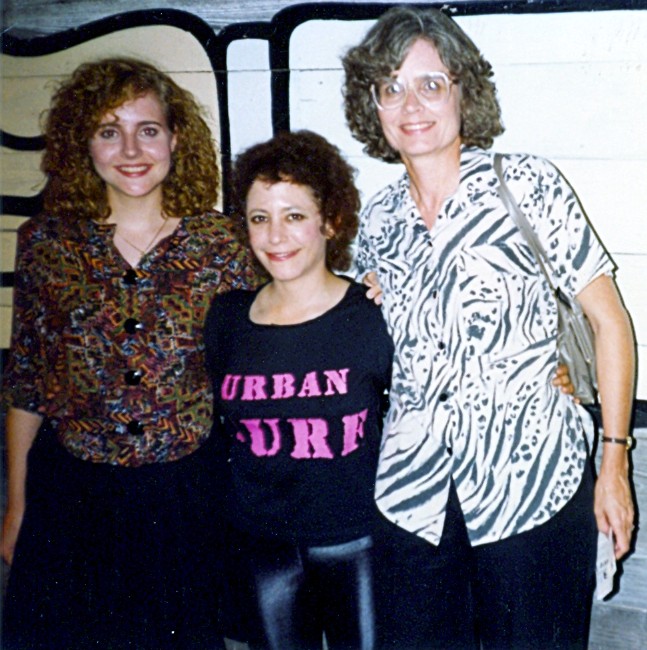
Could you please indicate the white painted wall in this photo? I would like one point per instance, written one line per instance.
(572, 88)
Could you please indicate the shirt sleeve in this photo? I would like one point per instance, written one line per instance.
(364, 258)
(240, 270)
(576, 254)
(23, 383)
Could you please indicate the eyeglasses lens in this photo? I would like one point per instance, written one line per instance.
(431, 88)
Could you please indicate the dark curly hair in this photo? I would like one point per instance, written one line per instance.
(384, 49)
(304, 158)
(74, 189)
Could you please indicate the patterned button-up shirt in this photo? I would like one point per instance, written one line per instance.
(114, 356)
(474, 326)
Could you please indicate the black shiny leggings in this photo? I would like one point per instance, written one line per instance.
(303, 593)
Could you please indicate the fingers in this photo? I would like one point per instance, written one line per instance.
(562, 380)
(622, 544)
(614, 510)
(623, 532)
(374, 292)
(375, 295)
(370, 279)
(622, 535)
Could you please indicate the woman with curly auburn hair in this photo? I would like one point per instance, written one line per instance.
(290, 157)
(298, 397)
(73, 186)
(109, 409)
(485, 470)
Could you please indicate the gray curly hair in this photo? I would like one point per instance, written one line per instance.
(384, 49)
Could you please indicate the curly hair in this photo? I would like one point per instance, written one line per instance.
(383, 51)
(307, 159)
(74, 189)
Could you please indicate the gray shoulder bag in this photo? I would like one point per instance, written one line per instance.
(575, 339)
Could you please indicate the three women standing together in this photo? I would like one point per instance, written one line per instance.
(484, 475)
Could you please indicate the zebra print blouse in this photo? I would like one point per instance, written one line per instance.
(474, 326)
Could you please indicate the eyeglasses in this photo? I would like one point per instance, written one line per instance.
(431, 89)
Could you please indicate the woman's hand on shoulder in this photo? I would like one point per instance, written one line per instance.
(374, 292)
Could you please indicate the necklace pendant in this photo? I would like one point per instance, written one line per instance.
(150, 245)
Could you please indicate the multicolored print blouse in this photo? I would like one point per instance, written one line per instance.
(474, 325)
(114, 355)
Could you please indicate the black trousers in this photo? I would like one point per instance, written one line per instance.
(530, 591)
(295, 595)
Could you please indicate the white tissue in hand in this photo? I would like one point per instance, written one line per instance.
(605, 565)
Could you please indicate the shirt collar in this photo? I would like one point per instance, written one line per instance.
(455, 205)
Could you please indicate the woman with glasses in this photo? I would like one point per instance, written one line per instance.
(485, 470)
(108, 525)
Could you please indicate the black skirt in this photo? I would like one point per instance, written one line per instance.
(115, 557)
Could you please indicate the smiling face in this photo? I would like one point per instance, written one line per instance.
(131, 149)
(415, 129)
(285, 230)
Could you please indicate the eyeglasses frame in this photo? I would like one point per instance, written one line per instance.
(450, 82)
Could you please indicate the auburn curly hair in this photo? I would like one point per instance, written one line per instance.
(74, 189)
(304, 158)
(383, 51)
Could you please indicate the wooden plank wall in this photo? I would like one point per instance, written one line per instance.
(572, 88)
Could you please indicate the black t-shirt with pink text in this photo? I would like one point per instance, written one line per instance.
(301, 409)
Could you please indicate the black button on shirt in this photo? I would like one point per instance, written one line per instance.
(131, 325)
(130, 277)
(135, 428)
(133, 377)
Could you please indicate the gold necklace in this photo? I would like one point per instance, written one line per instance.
(152, 241)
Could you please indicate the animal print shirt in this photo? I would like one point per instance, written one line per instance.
(114, 355)
(474, 327)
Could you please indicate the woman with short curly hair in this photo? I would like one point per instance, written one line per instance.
(385, 48)
(485, 471)
(108, 404)
(289, 157)
(298, 395)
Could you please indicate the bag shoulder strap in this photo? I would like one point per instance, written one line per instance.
(521, 221)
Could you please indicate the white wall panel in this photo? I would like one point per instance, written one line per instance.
(250, 98)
